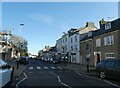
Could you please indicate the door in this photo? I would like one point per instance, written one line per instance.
(98, 58)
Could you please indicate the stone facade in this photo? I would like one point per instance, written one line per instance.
(104, 43)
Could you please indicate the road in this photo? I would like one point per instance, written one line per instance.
(42, 74)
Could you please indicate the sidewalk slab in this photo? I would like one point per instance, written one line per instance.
(18, 71)
(80, 68)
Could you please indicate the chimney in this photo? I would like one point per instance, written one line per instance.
(101, 22)
(89, 24)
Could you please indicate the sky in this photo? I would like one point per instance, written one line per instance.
(45, 22)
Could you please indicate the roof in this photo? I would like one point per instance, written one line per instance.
(115, 25)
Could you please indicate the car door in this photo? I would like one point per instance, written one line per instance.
(117, 72)
(110, 69)
(5, 73)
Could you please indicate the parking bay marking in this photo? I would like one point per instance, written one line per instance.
(45, 67)
(59, 67)
(30, 67)
(21, 80)
(38, 67)
(98, 79)
(53, 67)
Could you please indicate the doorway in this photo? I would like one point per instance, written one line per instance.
(97, 57)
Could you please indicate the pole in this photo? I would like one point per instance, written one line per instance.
(21, 27)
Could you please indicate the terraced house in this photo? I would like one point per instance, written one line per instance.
(102, 43)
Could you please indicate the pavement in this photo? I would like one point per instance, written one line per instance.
(80, 68)
(17, 72)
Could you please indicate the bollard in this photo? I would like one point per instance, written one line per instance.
(65, 63)
(12, 73)
(17, 65)
(88, 68)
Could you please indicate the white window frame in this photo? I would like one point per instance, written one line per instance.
(109, 40)
(107, 26)
(71, 40)
(109, 55)
(98, 42)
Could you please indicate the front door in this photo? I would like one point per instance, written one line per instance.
(98, 58)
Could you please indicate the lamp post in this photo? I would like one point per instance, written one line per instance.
(64, 56)
(21, 27)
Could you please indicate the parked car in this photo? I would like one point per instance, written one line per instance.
(109, 68)
(55, 61)
(23, 60)
(6, 73)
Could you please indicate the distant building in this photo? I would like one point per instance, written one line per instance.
(5, 44)
(69, 43)
(62, 46)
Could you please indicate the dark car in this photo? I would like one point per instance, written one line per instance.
(23, 61)
(109, 68)
(55, 61)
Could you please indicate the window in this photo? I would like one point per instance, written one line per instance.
(109, 55)
(71, 40)
(75, 38)
(65, 39)
(107, 26)
(65, 47)
(109, 40)
(98, 42)
(75, 47)
(71, 48)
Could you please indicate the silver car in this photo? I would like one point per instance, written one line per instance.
(5, 73)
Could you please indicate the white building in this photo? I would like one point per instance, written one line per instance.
(74, 46)
(62, 46)
(69, 43)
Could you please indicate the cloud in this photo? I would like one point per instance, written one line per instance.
(42, 18)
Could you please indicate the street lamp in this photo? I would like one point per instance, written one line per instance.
(21, 27)
(64, 56)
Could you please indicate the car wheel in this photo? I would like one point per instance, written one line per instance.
(102, 74)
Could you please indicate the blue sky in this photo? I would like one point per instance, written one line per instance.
(45, 22)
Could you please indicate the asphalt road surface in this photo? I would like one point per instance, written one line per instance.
(40, 74)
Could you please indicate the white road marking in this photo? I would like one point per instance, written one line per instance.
(59, 80)
(45, 67)
(99, 79)
(30, 67)
(38, 67)
(21, 80)
(78, 73)
(60, 67)
(31, 72)
(15, 81)
(53, 67)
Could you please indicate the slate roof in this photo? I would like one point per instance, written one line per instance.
(115, 25)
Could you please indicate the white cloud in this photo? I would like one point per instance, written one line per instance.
(42, 18)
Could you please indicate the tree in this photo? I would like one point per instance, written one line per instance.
(20, 43)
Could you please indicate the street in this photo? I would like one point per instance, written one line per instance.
(43, 74)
